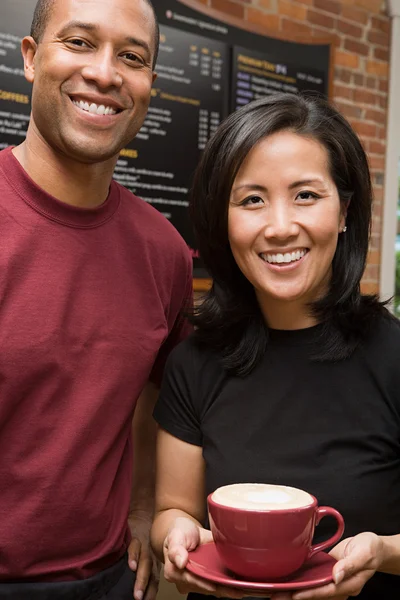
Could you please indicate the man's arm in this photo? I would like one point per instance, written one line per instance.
(141, 558)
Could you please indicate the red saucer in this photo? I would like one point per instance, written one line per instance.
(205, 562)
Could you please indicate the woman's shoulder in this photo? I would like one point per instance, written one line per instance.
(382, 343)
(192, 354)
(385, 330)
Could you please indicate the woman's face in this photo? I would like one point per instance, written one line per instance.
(284, 220)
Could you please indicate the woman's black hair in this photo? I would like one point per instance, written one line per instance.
(229, 320)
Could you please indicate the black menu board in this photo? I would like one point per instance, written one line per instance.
(209, 64)
(256, 74)
(190, 98)
(15, 92)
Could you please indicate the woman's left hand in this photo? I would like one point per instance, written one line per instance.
(358, 559)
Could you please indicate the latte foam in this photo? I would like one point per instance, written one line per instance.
(261, 496)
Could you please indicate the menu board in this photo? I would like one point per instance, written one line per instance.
(190, 98)
(208, 66)
(15, 92)
(257, 74)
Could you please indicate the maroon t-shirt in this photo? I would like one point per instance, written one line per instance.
(90, 303)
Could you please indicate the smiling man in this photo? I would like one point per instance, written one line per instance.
(93, 282)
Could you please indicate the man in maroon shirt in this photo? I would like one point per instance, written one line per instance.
(92, 286)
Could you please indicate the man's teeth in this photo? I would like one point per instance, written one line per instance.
(288, 257)
(94, 109)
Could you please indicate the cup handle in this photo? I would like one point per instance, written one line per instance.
(321, 512)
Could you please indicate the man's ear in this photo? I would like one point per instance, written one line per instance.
(28, 49)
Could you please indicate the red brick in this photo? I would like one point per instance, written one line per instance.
(374, 257)
(317, 18)
(369, 5)
(381, 54)
(383, 85)
(341, 91)
(381, 23)
(378, 199)
(381, 133)
(376, 163)
(358, 79)
(295, 28)
(364, 129)
(349, 29)
(355, 14)
(377, 37)
(375, 147)
(380, 69)
(263, 4)
(229, 8)
(350, 111)
(369, 288)
(330, 6)
(371, 83)
(371, 273)
(317, 32)
(365, 97)
(270, 22)
(343, 74)
(375, 115)
(376, 225)
(294, 11)
(345, 59)
(356, 47)
(382, 101)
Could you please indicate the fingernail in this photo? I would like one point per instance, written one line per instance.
(133, 565)
(139, 595)
(338, 577)
(179, 562)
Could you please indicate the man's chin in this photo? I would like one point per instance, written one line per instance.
(90, 153)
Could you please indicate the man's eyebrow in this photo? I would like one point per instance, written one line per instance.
(93, 28)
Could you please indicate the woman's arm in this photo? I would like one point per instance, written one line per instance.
(180, 509)
(179, 487)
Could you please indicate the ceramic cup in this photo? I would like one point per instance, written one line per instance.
(264, 541)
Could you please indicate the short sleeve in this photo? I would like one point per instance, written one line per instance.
(180, 326)
(175, 409)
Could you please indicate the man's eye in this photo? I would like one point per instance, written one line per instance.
(133, 58)
(78, 42)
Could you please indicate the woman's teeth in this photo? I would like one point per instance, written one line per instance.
(288, 257)
(94, 109)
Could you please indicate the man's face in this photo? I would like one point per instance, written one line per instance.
(92, 76)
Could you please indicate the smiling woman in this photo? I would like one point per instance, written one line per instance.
(290, 172)
(291, 377)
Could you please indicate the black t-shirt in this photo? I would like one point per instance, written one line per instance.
(330, 428)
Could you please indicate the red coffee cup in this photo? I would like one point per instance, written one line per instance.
(264, 545)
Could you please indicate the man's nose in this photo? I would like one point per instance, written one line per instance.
(103, 70)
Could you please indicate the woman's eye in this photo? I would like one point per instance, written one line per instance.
(252, 201)
(307, 196)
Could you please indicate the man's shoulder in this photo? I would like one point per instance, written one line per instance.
(154, 223)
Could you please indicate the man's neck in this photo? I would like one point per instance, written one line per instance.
(77, 184)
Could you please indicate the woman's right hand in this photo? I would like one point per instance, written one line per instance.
(183, 537)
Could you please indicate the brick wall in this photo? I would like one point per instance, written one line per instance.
(361, 33)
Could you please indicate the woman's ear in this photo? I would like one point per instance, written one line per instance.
(28, 49)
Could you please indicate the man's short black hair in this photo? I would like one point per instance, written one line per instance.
(42, 15)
